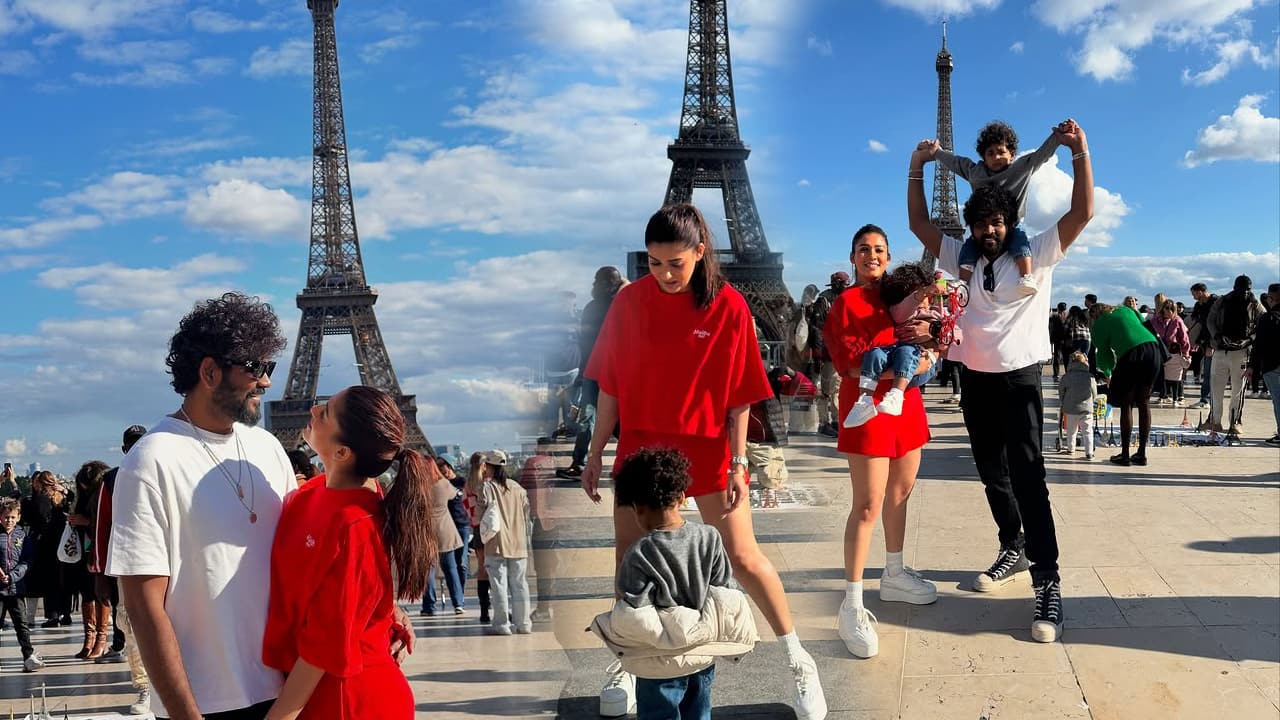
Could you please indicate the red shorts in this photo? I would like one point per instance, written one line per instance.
(883, 435)
(708, 457)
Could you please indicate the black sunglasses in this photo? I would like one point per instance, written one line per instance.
(257, 368)
(989, 278)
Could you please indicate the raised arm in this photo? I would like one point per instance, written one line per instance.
(957, 164)
(917, 209)
(1081, 211)
(1042, 153)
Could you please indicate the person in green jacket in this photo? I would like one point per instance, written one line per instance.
(1129, 355)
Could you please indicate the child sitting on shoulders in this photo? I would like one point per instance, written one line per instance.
(679, 607)
(907, 290)
(16, 553)
(998, 148)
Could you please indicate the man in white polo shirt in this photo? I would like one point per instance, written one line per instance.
(1005, 340)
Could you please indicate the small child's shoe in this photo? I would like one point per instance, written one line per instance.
(891, 403)
(1027, 286)
(862, 411)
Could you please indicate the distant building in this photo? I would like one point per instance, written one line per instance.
(33, 468)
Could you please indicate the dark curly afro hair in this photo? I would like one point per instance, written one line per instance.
(988, 200)
(901, 281)
(997, 133)
(652, 478)
(234, 328)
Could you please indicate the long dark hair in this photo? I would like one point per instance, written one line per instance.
(88, 480)
(371, 425)
(683, 225)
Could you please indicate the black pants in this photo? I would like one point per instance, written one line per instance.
(1004, 414)
(16, 609)
(257, 712)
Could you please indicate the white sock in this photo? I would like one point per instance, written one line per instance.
(868, 384)
(791, 643)
(892, 563)
(853, 593)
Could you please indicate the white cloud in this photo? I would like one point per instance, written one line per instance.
(1114, 30)
(287, 172)
(16, 62)
(50, 448)
(804, 182)
(1231, 54)
(15, 447)
(292, 57)
(374, 52)
(876, 146)
(185, 145)
(108, 286)
(212, 21)
(124, 195)
(135, 52)
(1111, 277)
(414, 145)
(44, 232)
(97, 17)
(1017, 48)
(933, 10)
(1245, 134)
(240, 207)
(1049, 198)
(10, 262)
(151, 75)
(822, 47)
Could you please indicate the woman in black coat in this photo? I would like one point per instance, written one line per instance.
(46, 514)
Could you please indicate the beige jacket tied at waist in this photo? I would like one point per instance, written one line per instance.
(673, 642)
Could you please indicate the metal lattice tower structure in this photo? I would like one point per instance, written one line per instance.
(337, 299)
(945, 211)
(709, 153)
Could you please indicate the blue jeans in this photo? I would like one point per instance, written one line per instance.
(901, 359)
(462, 555)
(682, 698)
(586, 420)
(1018, 245)
(450, 568)
(1272, 379)
(1206, 374)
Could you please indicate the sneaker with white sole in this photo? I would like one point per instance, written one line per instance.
(33, 663)
(811, 702)
(1027, 286)
(1008, 563)
(907, 587)
(855, 629)
(862, 411)
(1047, 625)
(619, 694)
(891, 403)
(142, 705)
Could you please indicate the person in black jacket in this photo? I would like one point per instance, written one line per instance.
(1201, 345)
(604, 289)
(1264, 360)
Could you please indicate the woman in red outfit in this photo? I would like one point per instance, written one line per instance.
(332, 590)
(884, 453)
(679, 366)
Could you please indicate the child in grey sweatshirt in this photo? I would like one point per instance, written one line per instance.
(998, 147)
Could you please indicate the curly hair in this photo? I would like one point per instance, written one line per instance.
(653, 478)
(901, 281)
(988, 200)
(997, 133)
(231, 328)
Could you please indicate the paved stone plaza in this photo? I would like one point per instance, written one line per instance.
(1171, 580)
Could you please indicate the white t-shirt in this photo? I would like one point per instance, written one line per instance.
(1003, 331)
(176, 514)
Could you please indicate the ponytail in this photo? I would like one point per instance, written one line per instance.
(682, 224)
(407, 526)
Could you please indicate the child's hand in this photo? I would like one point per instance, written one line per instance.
(1071, 135)
(925, 151)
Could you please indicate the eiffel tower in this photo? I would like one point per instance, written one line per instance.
(709, 153)
(946, 211)
(337, 299)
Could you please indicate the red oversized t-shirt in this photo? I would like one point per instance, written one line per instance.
(332, 602)
(859, 321)
(673, 367)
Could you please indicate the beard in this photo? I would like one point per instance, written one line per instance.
(236, 404)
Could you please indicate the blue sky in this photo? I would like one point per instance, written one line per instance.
(503, 149)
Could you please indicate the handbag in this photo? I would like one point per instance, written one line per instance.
(491, 521)
(69, 550)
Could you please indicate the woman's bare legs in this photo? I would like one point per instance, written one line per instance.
(750, 566)
(869, 475)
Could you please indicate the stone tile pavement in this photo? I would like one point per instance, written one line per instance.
(1171, 580)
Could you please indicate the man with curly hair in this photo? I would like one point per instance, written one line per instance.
(196, 504)
(1006, 340)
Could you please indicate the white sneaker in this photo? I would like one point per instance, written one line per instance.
(619, 694)
(811, 702)
(908, 587)
(1027, 286)
(33, 663)
(955, 400)
(854, 627)
(862, 411)
(891, 404)
(142, 705)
